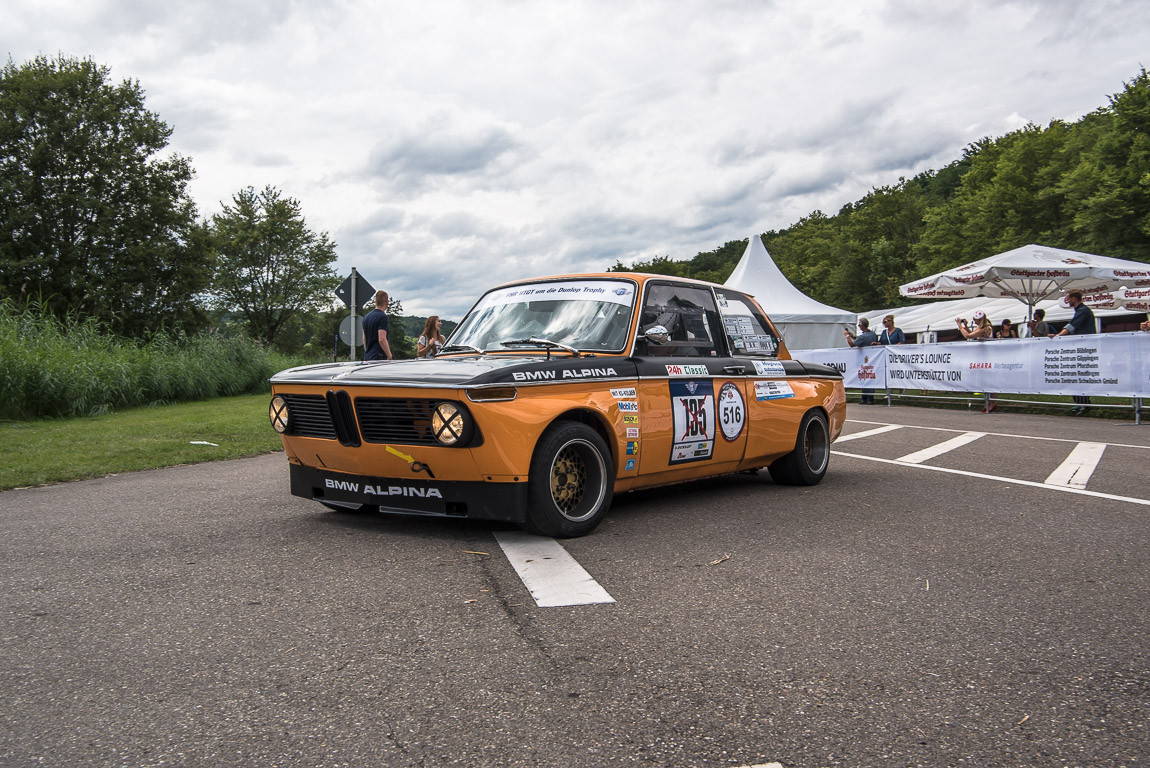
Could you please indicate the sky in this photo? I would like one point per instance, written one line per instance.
(447, 146)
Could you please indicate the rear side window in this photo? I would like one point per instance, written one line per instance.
(746, 328)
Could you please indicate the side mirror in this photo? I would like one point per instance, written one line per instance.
(657, 334)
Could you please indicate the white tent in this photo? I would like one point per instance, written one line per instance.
(804, 322)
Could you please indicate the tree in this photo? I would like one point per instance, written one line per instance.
(92, 221)
(270, 267)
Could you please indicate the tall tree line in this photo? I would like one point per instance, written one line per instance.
(1084, 186)
(96, 223)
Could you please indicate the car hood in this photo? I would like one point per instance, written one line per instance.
(459, 370)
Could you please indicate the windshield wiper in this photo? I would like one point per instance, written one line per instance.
(547, 344)
(465, 347)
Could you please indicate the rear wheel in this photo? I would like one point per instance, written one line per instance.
(807, 463)
(571, 483)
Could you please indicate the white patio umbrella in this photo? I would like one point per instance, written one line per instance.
(1132, 299)
(1030, 274)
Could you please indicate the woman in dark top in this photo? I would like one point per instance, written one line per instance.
(1007, 331)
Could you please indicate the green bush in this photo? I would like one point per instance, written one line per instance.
(51, 367)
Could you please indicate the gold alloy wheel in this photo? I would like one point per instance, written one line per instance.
(568, 480)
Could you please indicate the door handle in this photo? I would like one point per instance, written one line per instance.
(734, 368)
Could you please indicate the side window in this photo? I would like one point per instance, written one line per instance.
(746, 328)
(689, 314)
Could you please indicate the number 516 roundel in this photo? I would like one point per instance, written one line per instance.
(732, 412)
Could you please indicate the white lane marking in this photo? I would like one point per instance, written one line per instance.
(869, 432)
(1078, 467)
(998, 434)
(549, 572)
(944, 447)
(1029, 483)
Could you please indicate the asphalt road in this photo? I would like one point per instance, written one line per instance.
(895, 615)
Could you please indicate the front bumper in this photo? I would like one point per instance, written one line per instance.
(451, 498)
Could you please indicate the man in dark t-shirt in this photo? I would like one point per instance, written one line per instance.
(376, 346)
(1082, 322)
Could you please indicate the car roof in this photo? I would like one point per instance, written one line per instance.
(639, 277)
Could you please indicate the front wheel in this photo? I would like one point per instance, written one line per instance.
(571, 483)
(807, 463)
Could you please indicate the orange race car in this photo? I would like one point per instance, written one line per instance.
(554, 394)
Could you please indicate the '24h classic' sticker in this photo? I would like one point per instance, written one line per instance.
(693, 412)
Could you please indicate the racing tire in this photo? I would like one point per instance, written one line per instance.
(349, 508)
(807, 463)
(572, 481)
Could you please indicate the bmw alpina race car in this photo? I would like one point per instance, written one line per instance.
(554, 394)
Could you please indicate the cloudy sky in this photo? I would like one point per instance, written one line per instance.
(448, 145)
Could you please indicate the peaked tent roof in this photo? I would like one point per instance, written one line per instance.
(758, 275)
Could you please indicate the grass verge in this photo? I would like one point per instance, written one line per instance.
(58, 450)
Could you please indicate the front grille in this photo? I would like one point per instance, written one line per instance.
(310, 416)
(395, 420)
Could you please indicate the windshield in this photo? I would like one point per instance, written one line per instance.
(589, 315)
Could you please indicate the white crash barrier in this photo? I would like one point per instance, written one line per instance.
(1111, 364)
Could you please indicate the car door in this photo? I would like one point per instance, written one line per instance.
(692, 393)
(778, 392)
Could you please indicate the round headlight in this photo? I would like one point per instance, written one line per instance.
(278, 413)
(451, 424)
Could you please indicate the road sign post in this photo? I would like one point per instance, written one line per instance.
(353, 292)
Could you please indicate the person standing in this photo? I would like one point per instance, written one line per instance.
(890, 334)
(1081, 323)
(865, 338)
(1007, 331)
(1039, 329)
(431, 339)
(375, 344)
(982, 328)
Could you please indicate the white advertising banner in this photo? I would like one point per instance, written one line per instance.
(1113, 364)
(864, 367)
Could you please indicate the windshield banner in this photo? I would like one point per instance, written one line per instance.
(612, 291)
(1113, 364)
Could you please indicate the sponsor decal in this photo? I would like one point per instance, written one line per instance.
(772, 390)
(1048, 273)
(369, 489)
(632, 432)
(629, 406)
(630, 418)
(770, 368)
(624, 393)
(732, 412)
(532, 375)
(630, 467)
(574, 373)
(693, 420)
(589, 373)
(687, 370)
(632, 449)
(614, 291)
